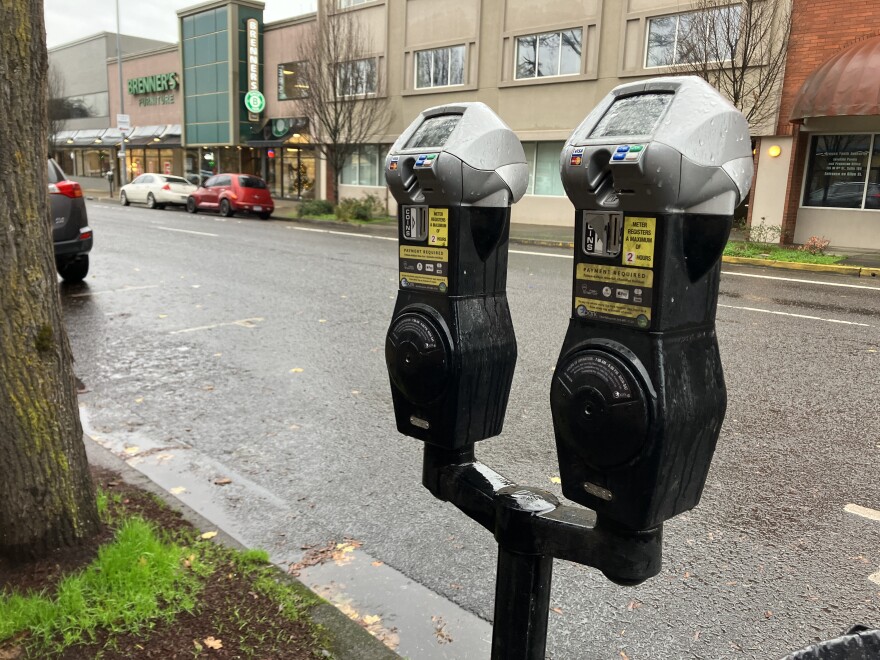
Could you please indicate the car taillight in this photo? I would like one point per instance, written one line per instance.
(85, 234)
(67, 188)
(167, 186)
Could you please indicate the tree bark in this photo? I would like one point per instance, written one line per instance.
(47, 499)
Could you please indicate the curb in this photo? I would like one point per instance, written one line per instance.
(853, 271)
(347, 640)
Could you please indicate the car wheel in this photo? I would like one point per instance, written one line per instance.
(151, 201)
(74, 270)
(225, 208)
(191, 205)
(265, 215)
(123, 198)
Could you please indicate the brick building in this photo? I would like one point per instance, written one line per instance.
(828, 133)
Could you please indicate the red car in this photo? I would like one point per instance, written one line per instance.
(232, 193)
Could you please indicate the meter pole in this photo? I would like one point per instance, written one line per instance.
(522, 605)
(532, 528)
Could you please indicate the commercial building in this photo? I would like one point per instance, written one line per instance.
(825, 154)
(81, 130)
(541, 66)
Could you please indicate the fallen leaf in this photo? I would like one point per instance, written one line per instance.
(163, 316)
(164, 457)
(686, 575)
(208, 535)
(558, 610)
(555, 480)
(697, 636)
(132, 450)
(222, 481)
(198, 646)
(378, 563)
(768, 614)
(177, 490)
(296, 370)
(624, 655)
(208, 388)
(140, 399)
(355, 392)
(217, 354)
(322, 320)
(188, 561)
(443, 637)
(370, 619)
(212, 643)
(633, 605)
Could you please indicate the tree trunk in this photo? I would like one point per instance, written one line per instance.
(46, 496)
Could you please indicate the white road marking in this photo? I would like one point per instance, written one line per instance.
(801, 281)
(863, 511)
(122, 290)
(244, 323)
(543, 254)
(797, 316)
(345, 233)
(187, 231)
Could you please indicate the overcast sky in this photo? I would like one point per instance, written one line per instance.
(70, 20)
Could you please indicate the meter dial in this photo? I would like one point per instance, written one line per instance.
(602, 407)
(418, 358)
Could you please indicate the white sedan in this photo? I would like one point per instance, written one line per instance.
(156, 190)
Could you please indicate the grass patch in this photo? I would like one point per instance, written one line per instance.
(157, 585)
(772, 252)
(135, 579)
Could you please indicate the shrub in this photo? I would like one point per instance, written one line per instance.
(763, 233)
(362, 208)
(815, 245)
(315, 207)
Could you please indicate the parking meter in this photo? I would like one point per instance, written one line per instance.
(450, 349)
(655, 172)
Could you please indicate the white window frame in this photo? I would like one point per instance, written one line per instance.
(537, 36)
(433, 52)
(678, 18)
(371, 83)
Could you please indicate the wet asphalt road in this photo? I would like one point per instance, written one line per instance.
(260, 345)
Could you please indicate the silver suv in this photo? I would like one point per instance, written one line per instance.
(70, 226)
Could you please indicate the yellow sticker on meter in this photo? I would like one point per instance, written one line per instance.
(438, 227)
(638, 241)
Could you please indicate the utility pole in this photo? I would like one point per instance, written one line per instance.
(123, 173)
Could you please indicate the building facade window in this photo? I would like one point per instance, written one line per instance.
(364, 167)
(543, 160)
(843, 171)
(345, 4)
(356, 78)
(440, 67)
(293, 81)
(697, 36)
(549, 54)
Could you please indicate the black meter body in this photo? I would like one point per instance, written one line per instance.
(638, 395)
(450, 349)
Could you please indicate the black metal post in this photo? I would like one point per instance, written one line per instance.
(522, 605)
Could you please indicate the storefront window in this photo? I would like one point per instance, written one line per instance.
(229, 161)
(872, 196)
(293, 81)
(299, 173)
(837, 171)
(543, 160)
(96, 162)
(362, 167)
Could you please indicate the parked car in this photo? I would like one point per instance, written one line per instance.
(232, 193)
(156, 190)
(70, 225)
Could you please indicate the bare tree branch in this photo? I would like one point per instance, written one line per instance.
(740, 49)
(345, 103)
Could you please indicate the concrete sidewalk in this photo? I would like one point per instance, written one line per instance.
(857, 263)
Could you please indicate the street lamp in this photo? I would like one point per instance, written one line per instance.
(123, 175)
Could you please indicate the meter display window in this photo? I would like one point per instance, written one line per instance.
(433, 132)
(632, 115)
